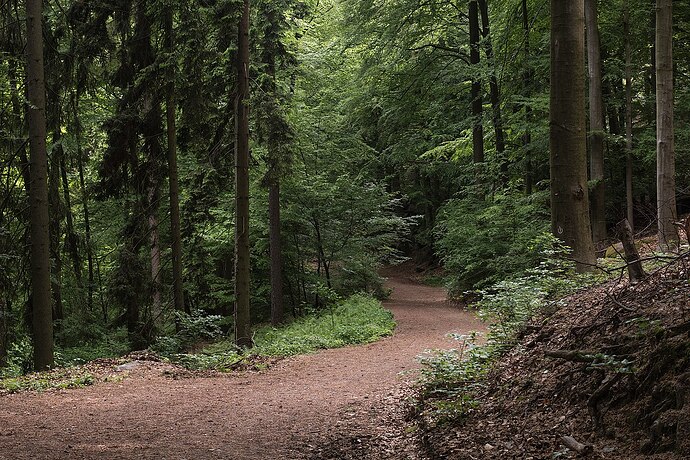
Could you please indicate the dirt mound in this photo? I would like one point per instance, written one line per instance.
(610, 368)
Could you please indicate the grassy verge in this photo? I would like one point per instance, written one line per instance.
(359, 319)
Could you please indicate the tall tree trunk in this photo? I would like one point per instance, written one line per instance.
(568, 137)
(277, 307)
(526, 84)
(175, 234)
(85, 208)
(596, 123)
(476, 94)
(665, 155)
(243, 335)
(628, 120)
(54, 231)
(494, 94)
(38, 189)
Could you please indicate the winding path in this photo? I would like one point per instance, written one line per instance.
(291, 411)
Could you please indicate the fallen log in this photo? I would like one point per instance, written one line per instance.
(572, 444)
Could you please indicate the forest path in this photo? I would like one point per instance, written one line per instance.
(340, 403)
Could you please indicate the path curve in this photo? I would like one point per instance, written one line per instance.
(282, 413)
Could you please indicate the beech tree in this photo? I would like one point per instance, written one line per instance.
(665, 153)
(596, 123)
(568, 144)
(38, 189)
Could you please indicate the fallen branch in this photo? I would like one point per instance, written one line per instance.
(572, 444)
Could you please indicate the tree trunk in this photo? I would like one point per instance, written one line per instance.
(568, 141)
(38, 190)
(665, 155)
(87, 225)
(494, 94)
(175, 234)
(476, 94)
(596, 123)
(628, 120)
(155, 254)
(243, 337)
(632, 257)
(54, 231)
(72, 239)
(526, 83)
(277, 308)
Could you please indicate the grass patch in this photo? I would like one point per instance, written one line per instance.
(359, 319)
(41, 381)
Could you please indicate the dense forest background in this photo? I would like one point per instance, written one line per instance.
(378, 130)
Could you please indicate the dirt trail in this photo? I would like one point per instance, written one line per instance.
(311, 406)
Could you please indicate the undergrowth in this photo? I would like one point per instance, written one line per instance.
(450, 379)
(359, 319)
(41, 381)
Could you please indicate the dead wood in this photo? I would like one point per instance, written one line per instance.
(572, 444)
(632, 257)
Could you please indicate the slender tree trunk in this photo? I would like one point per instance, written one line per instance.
(175, 234)
(652, 59)
(568, 137)
(596, 123)
(38, 190)
(665, 154)
(476, 94)
(494, 94)
(72, 239)
(54, 231)
(85, 208)
(277, 308)
(4, 314)
(628, 120)
(155, 254)
(243, 335)
(527, 85)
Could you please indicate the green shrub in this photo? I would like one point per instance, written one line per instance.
(449, 378)
(482, 242)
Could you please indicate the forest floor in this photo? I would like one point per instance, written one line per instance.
(335, 404)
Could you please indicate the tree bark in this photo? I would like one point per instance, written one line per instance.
(628, 119)
(155, 254)
(596, 123)
(568, 143)
(175, 233)
(38, 190)
(476, 93)
(243, 336)
(665, 154)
